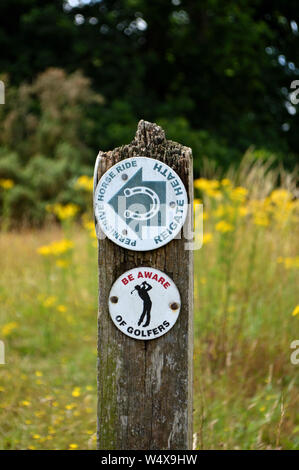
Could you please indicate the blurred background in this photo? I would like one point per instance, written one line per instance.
(218, 77)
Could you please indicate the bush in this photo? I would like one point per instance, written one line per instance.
(45, 129)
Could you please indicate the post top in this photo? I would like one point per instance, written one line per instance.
(149, 133)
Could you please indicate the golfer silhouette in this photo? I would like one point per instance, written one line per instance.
(147, 303)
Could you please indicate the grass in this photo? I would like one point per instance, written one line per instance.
(48, 386)
(246, 288)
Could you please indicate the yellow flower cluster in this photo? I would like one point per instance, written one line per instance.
(6, 183)
(295, 311)
(56, 248)
(7, 329)
(207, 238)
(210, 187)
(289, 262)
(76, 392)
(63, 211)
(224, 226)
(279, 207)
(85, 182)
(238, 194)
(49, 301)
(219, 189)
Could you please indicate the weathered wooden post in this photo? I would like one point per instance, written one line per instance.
(145, 386)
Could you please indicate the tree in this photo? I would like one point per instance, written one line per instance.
(224, 68)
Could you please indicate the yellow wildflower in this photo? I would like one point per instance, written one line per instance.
(89, 225)
(204, 184)
(295, 311)
(243, 211)
(36, 436)
(223, 227)
(207, 238)
(280, 196)
(56, 248)
(38, 373)
(49, 301)
(85, 182)
(25, 403)
(214, 193)
(8, 328)
(44, 250)
(61, 308)
(6, 183)
(290, 263)
(64, 211)
(225, 182)
(70, 406)
(76, 392)
(73, 446)
(238, 194)
(31, 448)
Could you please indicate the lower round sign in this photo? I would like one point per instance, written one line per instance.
(144, 303)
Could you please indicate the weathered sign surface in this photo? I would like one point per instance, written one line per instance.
(145, 387)
(144, 303)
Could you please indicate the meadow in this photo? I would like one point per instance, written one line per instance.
(246, 316)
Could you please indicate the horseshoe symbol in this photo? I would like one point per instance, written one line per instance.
(148, 192)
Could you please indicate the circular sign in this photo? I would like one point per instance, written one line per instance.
(140, 203)
(144, 303)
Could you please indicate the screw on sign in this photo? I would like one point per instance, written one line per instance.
(145, 318)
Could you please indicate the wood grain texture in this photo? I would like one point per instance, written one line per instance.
(145, 387)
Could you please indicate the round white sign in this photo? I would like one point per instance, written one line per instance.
(144, 303)
(140, 203)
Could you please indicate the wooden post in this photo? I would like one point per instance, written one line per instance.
(145, 387)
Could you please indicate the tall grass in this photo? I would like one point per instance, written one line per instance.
(246, 288)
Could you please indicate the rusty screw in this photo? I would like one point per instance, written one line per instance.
(114, 299)
(174, 306)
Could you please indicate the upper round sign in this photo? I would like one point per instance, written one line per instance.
(140, 203)
(144, 303)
